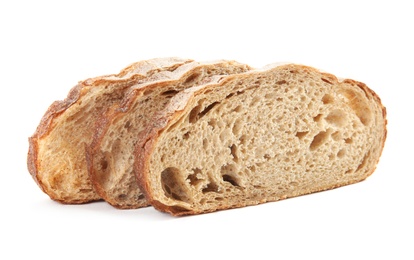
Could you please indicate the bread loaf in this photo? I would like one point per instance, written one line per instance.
(56, 157)
(110, 156)
(260, 136)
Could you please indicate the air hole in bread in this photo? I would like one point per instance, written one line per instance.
(211, 187)
(327, 81)
(341, 153)
(233, 151)
(191, 78)
(281, 82)
(169, 93)
(173, 188)
(349, 140)
(337, 118)
(319, 140)
(238, 109)
(122, 196)
(318, 118)
(195, 114)
(237, 93)
(301, 135)
(186, 135)
(229, 95)
(145, 100)
(141, 197)
(230, 179)
(327, 99)
(363, 162)
(196, 177)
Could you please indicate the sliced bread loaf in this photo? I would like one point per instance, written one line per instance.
(56, 157)
(110, 156)
(260, 136)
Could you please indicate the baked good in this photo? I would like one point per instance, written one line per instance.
(261, 136)
(56, 157)
(111, 154)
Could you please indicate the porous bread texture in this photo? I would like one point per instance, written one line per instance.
(257, 137)
(56, 157)
(110, 156)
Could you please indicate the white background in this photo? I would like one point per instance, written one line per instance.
(46, 47)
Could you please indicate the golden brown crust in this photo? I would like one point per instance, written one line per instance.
(148, 140)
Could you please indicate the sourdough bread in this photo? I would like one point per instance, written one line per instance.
(56, 157)
(110, 156)
(260, 136)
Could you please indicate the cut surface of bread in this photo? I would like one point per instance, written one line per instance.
(257, 137)
(110, 156)
(56, 157)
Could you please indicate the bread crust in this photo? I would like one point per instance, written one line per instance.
(149, 138)
(129, 76)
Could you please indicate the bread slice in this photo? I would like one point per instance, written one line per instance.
(110, 156)
(260, 136)
(56, 157)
